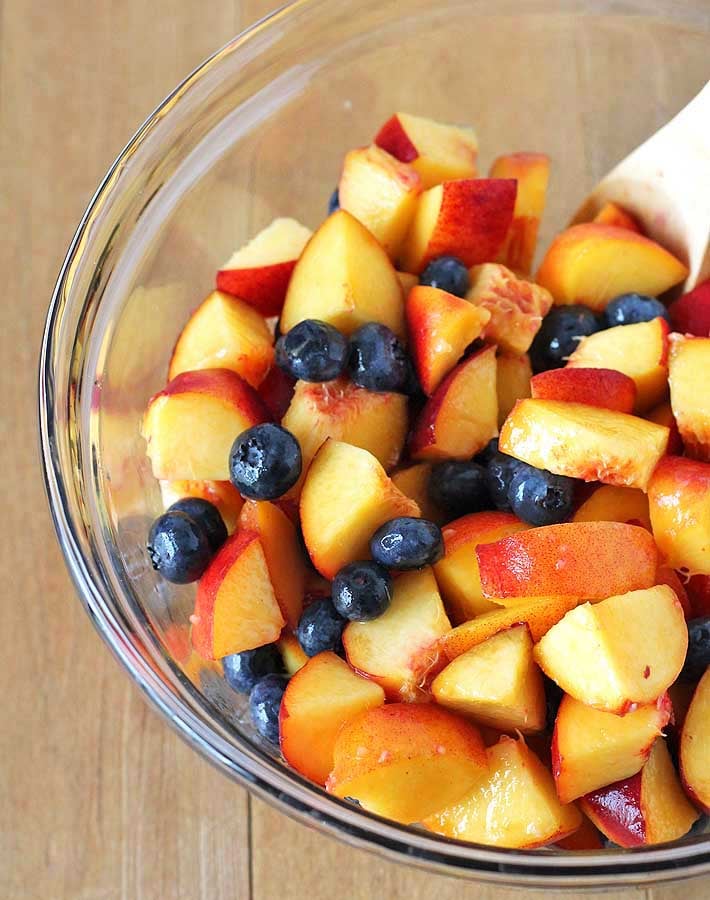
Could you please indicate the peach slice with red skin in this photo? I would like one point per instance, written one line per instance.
(346, 497)
(399, 649)
(690, 314)
(538, 613)
(236, 607)
(224, 332)
(344, 277)
(531, 171)
(381, 192)
(461, 416)
(376, 422)
(688, 365)
(608, 503)
(586, 837)
(625, 650)
(284, 560)
(221, 494)
(639, 351)
(695, 746)
(437, 152)
(679, 502)
(413, 482)
(468, 218)
(405, 761)
(214, 404)
(592, 748)
(441, 326)
(319, 699)
(457, 572)
(648, 808)
(605, 388)
(589, 559)
(515, 806)
(629, 261)
(496, 683)
(666, 575)
(513, 374)
(259, 272)
(613, 214)
(584, 442)
(516, 306)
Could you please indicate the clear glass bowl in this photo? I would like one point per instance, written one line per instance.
(259, 130)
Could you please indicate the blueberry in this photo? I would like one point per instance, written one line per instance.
(334, 202)
(553, 698)
(312, 351)
(320, 627)
(500, 471)
(378, 361)
(243, 670)
(459, 487)
(178, 547)
(265, 705)
(264, 462)
(628, 309)
(488, 452)
(362, 591)
(540, 498)
(559, 335)
(407, 543)
(698, 656)
(205, 514)
(448, 274)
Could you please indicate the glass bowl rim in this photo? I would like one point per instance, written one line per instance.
(290, 793)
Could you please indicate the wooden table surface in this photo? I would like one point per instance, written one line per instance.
(100, 799)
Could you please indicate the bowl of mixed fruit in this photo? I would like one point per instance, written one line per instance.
(432, 536)
(465, 578)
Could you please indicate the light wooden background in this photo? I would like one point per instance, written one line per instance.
(98, 799)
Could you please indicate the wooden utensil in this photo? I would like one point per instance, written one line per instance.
(665, 184)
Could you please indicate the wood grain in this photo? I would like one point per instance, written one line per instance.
(100, 800)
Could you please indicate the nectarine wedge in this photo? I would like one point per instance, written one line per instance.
(588, 559)
(531, 171)
(639, 351)
(284, 559)
(663, 415)
(679, 503)
(405, 761)
(437, 152)
(413, 482)
(319, 699)
(346, 497)
(440, 326)
(613, 214)
(625, 650)
(461, 416)
(608, 503)
(496, 683)
(513, 374)
(592, 748)
(376, 422)
(191, 425)
(381, 192)
(515, 806)
(648, 808)
(399, 648)
(516, 306)
(584, 441)
(468, 218)
(291, 652)
(259, 272)
(345, 278)
(688, 377)
(630, 262)
(695, 746)
(225, 333)
(457, 572)
(605, 388)
(236, 607)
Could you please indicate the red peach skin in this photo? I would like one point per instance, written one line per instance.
(605, 388)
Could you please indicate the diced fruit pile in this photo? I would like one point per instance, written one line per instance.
(450, 524)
